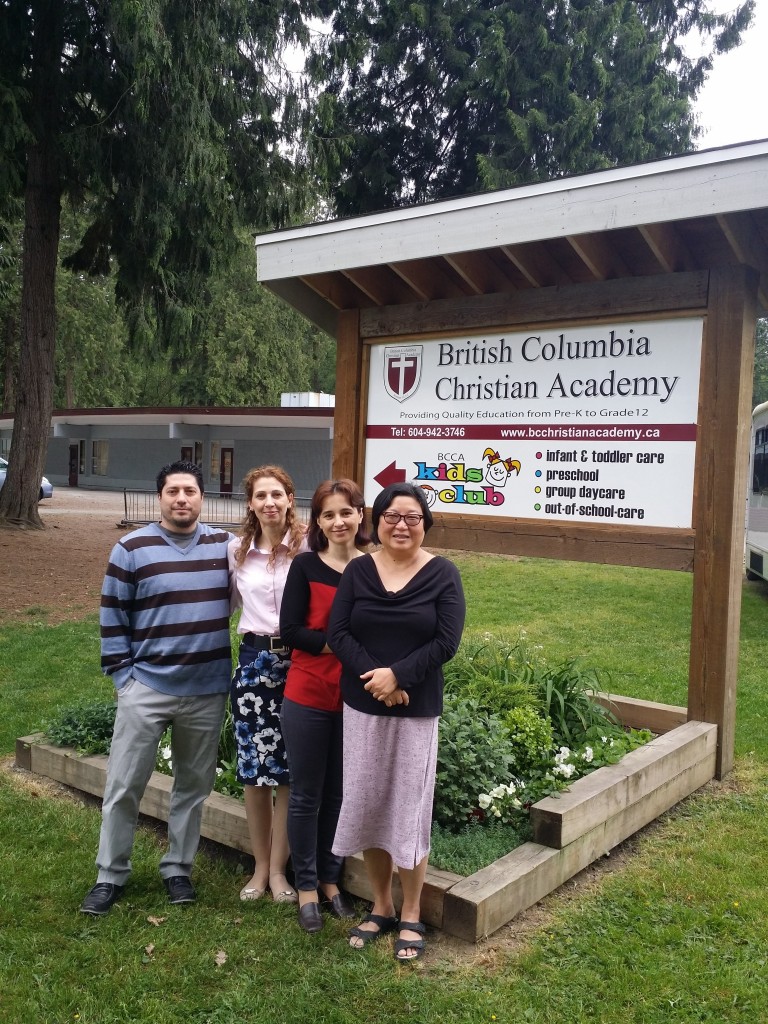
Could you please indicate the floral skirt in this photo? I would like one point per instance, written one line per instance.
(256, 695)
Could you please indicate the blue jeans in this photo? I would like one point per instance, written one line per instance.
(314, 744)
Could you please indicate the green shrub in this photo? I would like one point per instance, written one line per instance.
(531, 738)
(86, 726)
(598, 748)
(474, 751)
(498, 672)
(566, 692)
(516, 729)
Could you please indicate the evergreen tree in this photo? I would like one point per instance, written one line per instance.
(257, 346)
(435, 98)
(178, 124)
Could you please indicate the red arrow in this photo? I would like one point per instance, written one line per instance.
(390, 475)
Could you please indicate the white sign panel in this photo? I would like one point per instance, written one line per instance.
(593, 424)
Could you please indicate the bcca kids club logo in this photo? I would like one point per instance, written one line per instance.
(453, 482)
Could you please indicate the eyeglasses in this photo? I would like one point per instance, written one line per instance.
(410, 518)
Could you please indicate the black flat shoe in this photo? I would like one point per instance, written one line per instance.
(339, 906)
(179, 889)
(310, 918)
(100, 898)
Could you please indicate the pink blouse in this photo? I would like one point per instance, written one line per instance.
(258, 586)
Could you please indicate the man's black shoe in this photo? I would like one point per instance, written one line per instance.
(180, 889)
(100, 898)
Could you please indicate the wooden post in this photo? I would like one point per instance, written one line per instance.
(722, 462)
(348, 414)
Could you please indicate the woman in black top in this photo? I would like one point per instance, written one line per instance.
(396, 619)
(311, 717)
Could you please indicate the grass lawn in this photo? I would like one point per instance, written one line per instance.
(678, 933)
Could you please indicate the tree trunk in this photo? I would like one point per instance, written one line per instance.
(42, 211)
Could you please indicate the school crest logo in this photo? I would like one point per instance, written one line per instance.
(402, 370)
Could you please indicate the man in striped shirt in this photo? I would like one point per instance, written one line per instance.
(165, 643)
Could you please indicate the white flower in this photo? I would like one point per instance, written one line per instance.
(245, 700)
(588, 754)
(603, 740)
(266, 741)
(562, 755)
(496, 812)
(165, 753)
(483, 801)
(511, 790)
(219, 771)
(566, 770)
(499, 792)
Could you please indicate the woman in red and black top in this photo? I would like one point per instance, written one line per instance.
(311, 714)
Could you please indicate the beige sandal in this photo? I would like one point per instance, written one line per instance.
(286, 894)
(252, 892)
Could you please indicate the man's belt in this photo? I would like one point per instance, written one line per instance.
(273, 644)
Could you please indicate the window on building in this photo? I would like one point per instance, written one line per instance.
(81, 456)
(99, 458)
(215, 461)
(193, 453)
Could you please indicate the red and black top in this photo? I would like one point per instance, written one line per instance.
(313, 678)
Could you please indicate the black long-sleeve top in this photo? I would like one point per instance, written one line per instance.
(413, 631)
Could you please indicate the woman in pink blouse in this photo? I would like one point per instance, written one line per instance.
(259, 561)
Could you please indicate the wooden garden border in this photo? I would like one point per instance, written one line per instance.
(597, 813)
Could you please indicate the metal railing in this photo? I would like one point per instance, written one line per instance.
(226, 510)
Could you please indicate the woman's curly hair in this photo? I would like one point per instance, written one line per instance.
(250, 531)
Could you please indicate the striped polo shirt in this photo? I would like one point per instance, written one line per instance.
(165, 611)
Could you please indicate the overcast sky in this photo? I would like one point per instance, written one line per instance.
(732, 106)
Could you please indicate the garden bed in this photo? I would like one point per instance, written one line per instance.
(571, 830)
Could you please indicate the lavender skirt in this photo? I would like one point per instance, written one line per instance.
(389, 785)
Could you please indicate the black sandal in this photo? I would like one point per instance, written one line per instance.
(385, 924)
(419, 945)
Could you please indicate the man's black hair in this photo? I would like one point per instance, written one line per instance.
(180, 467)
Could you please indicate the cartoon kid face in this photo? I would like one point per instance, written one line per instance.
(430, 494)
(497, 474)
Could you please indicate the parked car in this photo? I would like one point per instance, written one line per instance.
(46, 488)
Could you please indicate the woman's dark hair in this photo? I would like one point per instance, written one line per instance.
(316, 539)
(388, 495)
